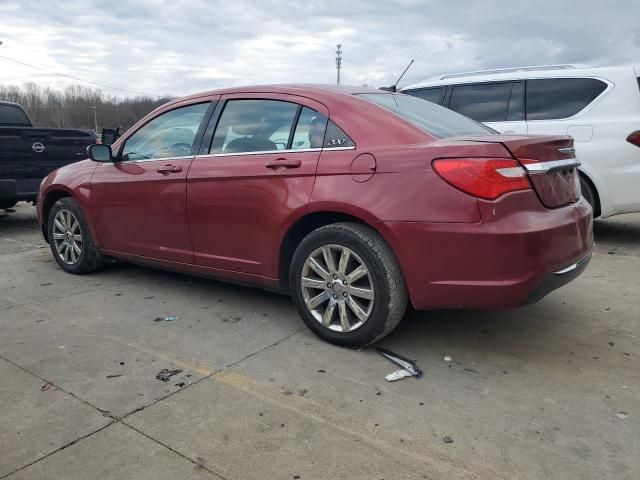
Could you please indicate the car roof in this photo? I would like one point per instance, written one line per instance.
(318, 92)
(521, 73)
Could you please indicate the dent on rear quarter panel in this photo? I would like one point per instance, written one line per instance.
(404, 188)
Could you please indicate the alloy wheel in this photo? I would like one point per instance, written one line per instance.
(337, 288)
(67, 237)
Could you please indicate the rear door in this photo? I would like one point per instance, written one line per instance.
(139, 202)
(254, 174)
(499, 105)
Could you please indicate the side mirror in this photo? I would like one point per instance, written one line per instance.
(100, 153)
(110, 135)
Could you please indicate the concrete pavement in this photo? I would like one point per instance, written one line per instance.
(547, 391)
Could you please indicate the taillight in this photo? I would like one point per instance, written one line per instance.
(483, 177)
(634, 138)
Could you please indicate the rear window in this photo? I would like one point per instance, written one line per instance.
(12, 115)
(430, 94)
(484, 102)
(433, 119)
(555, 98)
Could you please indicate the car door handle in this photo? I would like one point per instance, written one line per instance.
(169, 169)
(282, 163)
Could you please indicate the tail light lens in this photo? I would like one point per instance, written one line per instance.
(487, 178)
(634, 138)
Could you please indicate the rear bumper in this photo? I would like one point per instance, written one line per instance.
(559, 278)
(22, 189)
(506, 260)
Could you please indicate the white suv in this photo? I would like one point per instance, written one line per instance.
(599, 107)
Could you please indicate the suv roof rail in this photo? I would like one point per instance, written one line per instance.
(507, 70)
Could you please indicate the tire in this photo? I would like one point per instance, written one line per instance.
(7, 205)
(589, 195)
(343, 289)
(67, 211)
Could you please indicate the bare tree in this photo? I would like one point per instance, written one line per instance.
(74, 107)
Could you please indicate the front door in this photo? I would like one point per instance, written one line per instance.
(139, 201)
(257, 175)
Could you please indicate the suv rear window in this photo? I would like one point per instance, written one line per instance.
(12, 115)
(433, 119)
(556, 98)
(484, 102)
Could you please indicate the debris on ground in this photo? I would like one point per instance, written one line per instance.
(165, 374)
(168, 318)
(447, 439)
(408, 365)
(447, 358)
(181, 384)
(114, 376)
(46, 386)
(397, 375)
(621, 415)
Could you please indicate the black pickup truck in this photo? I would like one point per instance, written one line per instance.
(28, 154)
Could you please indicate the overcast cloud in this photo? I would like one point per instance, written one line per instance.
(183, 46)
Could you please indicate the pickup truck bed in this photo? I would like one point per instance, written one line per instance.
(28, 154)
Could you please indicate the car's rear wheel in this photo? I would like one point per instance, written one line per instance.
(70, 239)
(346, 284)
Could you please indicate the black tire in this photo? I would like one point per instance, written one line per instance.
(90, 258)
(6, 205)
(589, 195)
(390, 299)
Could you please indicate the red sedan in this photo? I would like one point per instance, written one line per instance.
(353, 200)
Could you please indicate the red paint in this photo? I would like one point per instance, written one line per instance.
(227, 216)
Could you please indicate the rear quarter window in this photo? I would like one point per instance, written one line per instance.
(557, 98)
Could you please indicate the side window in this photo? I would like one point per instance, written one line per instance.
(254, 126)
(309, 132)
(516, 102)
(170, 134)
(555, 98)
(486, 102)
(429, 94)
(335, 137)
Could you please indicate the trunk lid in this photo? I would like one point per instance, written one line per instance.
(550, 164)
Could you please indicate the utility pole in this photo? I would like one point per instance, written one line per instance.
(95, 118)
(338, 60)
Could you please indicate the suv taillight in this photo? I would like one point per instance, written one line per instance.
(634, 138)
(487, 178)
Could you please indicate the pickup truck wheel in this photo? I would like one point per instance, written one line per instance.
(70, 239)
(346, 285)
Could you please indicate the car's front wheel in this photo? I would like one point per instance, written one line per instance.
(70, 239)
(346, 284)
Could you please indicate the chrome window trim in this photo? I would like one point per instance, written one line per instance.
(546, 167)
(264, 152)
(154, 159)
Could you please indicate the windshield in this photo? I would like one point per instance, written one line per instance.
(12, 115)
(434, 119)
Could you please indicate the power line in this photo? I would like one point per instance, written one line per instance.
(78, 79)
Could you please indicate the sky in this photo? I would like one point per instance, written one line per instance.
(178, 47)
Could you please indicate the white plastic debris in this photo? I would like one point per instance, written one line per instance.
(397, 375)
(447, 358)
(621, 415)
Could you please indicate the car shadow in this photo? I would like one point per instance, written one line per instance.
(622, 230)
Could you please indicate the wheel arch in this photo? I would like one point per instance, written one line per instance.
(51, 197)
(597, 211)
(305, 225)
